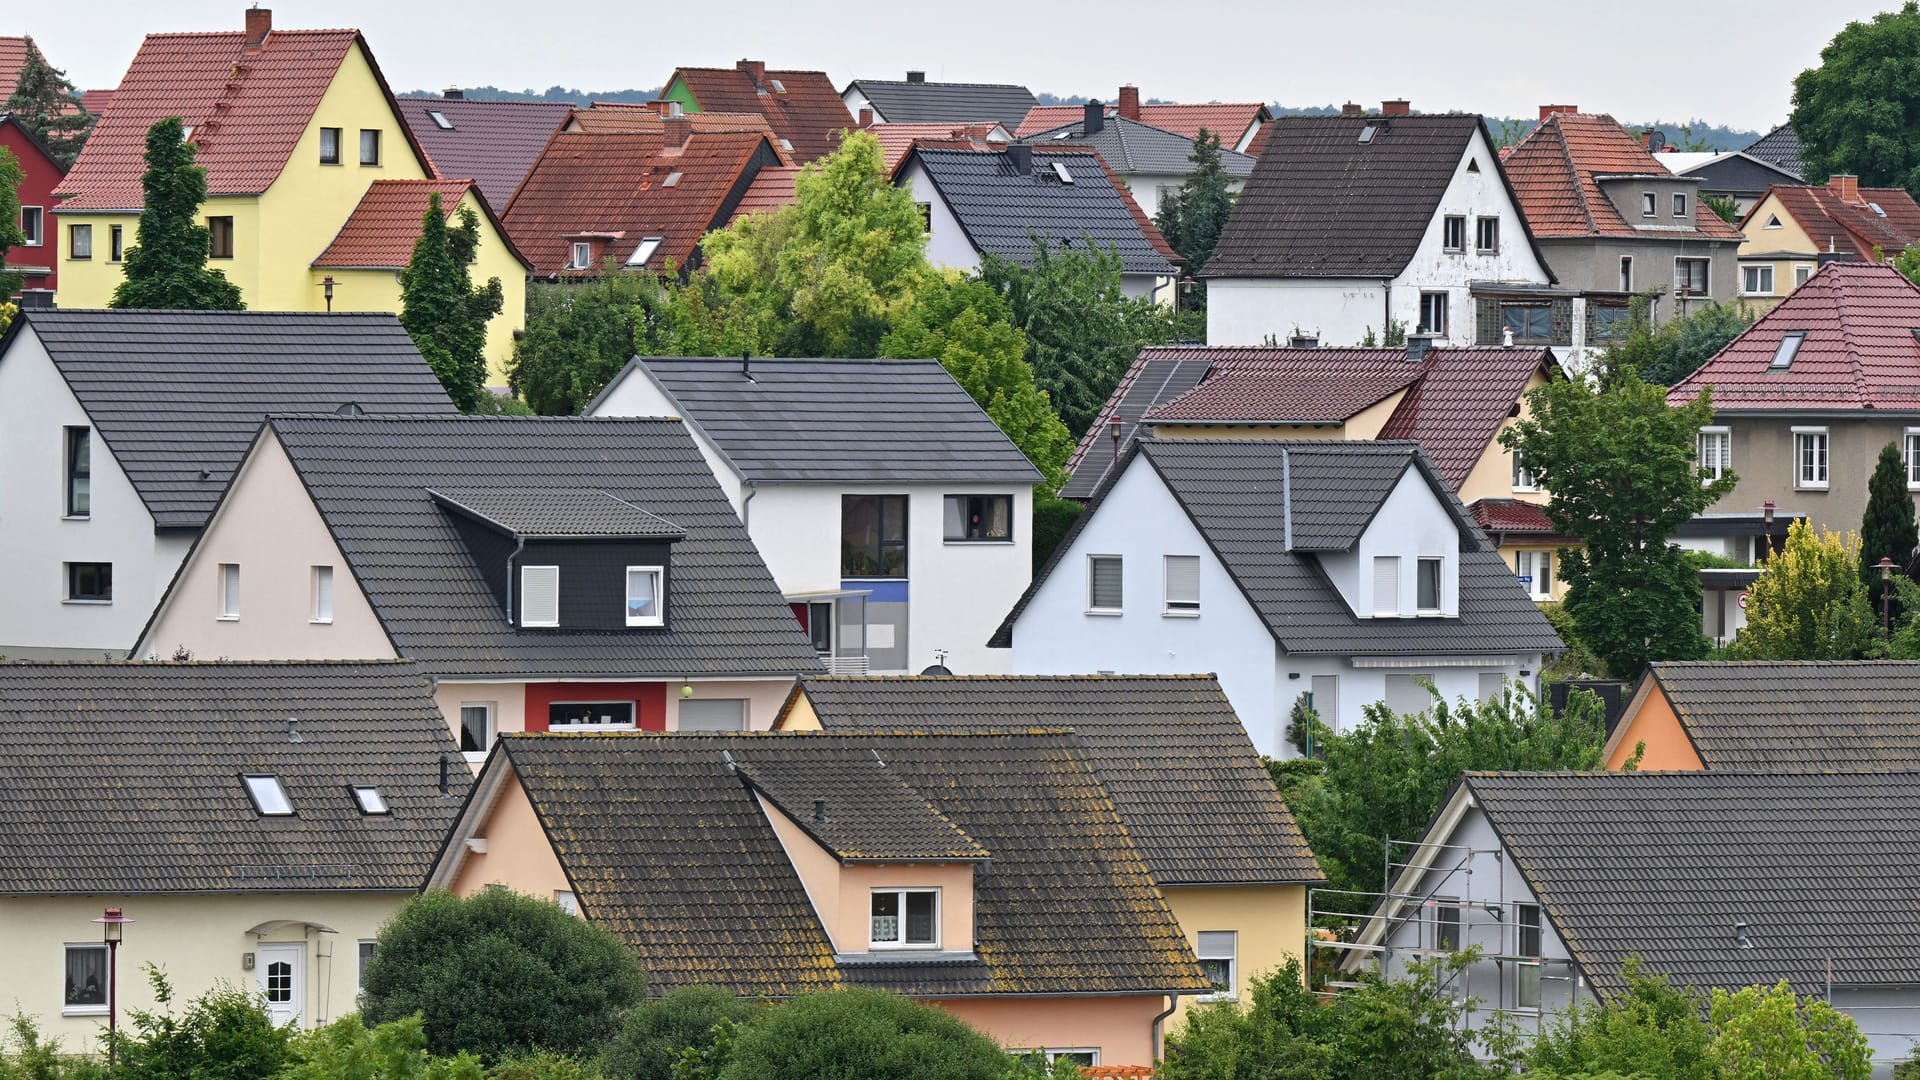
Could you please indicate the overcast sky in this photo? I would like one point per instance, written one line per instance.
(1638, 59)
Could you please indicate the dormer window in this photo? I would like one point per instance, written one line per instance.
(539, 596)
(1679, 204)
(1649, 204)
(582, 255)
(1427, 585)
(269, 796)
(905, 919)
(643, 596)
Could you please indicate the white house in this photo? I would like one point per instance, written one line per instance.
(1353, 224)
(1344, 570)
(893, 513)
(120, 430)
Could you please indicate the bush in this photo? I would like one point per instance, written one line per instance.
(655, 1032)
(498, 973)
(1052, 517)
(27, 1057)
(862, 1035)
(348, 1050)
(225, 1034)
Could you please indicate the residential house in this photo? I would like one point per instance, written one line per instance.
(917, 101)
(1709, 879)
(802, 107)
(1152, 163)
(896, 139)
(1000, 203)
(1615, 226)
(1355, 225)
(1773, 716)
(1345, 570)
(38, 258)
(1225, 852)
(553, 573)
(493, 142)
(121, 429)
(1781, 149)
(893, 513)
(1793, 229)
(255, 824)
(1735, 175)
(987, 873)
(1805, 399)
(1240, 126)
(293, 128)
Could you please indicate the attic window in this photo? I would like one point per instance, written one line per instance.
(778, 86)
(370, 800)
(1876, 209)
(1060, 170)
(440, 120)
(645, 251)
(582, 255)
(1789, 346)
(1367, 133)
(269, 797)
(643, 596)
(905, 918)
(1068, 134)
(1773, 222)
(1473, 165)
(786, 144)
(672, 179)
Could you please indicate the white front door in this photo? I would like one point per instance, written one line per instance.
(283, 979)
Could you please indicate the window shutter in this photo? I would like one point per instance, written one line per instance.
(1215, 945)
(539, 596)
(1183, 582)
(1103, 585)
(1491, 684)
(1386, 585)
(713, 714)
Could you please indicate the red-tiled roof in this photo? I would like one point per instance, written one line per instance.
(626, 116)
(494, 142)
(13, 57)
(1852, 228)
(897, 139)
(1552, 171)
(1227, 121)
(1511, 516)
(771, 189)
(805, 110)
(1858, 349)
(381, 231)
(1281, 385)
(96, 101)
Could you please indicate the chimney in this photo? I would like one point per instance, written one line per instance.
(1130, 102)
(1845, 185)
(1020, 156)
(259, 25)
(1396, 108)
(819, 809)
(755, 69)
(676, 129)
(1417, 346)
(454, 93)
(1350, 109)
(1551, 110)
(866, 118)
(1093, 118)
(916, 76)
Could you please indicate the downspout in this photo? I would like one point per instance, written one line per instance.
(745, 517)
(1386, 309)
(519, 544)
(1173, 1002)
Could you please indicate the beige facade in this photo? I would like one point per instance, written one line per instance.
(1763, 458)
(512, 850)
(1269, 923)
(1775, 241)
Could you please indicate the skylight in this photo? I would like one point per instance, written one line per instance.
(1060, 170)
(785, 145)
(778, 86)
(269, 797)
(672, 179)
(1068, 134)
(645, 251)
(440, 120)
(370, 800)
(1366, 134)
(1789, 346)
(1877, 210)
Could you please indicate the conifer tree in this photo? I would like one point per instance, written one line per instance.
(50, 107)
(1193, 217)
(11, 176)
(1887, 530)
(443, 311)
(167, 268)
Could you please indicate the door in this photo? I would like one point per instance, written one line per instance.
(283, 979)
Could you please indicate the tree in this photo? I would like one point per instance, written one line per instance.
(1670, 352)
(442, 310)
(862, 1035)
(1859, 111)
(579, 336)
(167, 268)
(1772, 1034)
(1654, 1029)
(1193, 217)
(48, 105)
(1887, 529)
(1619, 464)
(498, 972)
(656, 1032)
(1724, 206)
(11, 235)
(1810, 604)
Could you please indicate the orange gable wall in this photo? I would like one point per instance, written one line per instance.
(518, 853)
(1654, 722)
(1120, 1027)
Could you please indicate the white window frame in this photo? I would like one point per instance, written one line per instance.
(1449, 906)
(524, 620)
(659, 616)
(631, 725)
(1445, 306)
(1118, 609)
(1232, 957)
(268, 795)
(1179, 607)
(1680, 204)
(641, 254)
(1801, 272)
(322, 590)
(580, 255)
(37, 236)
(1649, 204)
(363, 953)
(902, 891)
(1527, 564)
(228, 588)
(85, 1010)
(1802, 479)
(1523, 478)
(477, 756)
(1750, 276)
(1380, 608)
(567, 901)
(371, 801)
(1480, 225)
(1723, 459)
(1448, 223)
(1420, 563)
(1521, 971)
(1092, 1053)
(1913, 458)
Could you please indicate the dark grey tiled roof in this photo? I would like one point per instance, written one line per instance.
(371, 479)
(1184, 777)
(1131, 147)
(177, 396)
(1233, 491)
(125, 777)
(838, 420)
(1780, 148)
(1002, 208)
(1663, 865)
(668, 850)
(548, 513)
(939, 103)
(856, 808)
(1793, 716)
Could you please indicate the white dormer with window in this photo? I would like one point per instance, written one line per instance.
(1407, 563)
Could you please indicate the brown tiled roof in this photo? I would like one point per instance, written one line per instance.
(13, 57)
(1511, 516)
(627, 116)
(1228, 121)
(771, 189)
(896, 139)
(1553, 173)
(96, 101)
(381, 231)
(1852, 229)
(806, 110)
(494, 142)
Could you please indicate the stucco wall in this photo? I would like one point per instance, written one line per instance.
(1121, 1028)
(1650, 720)
(508, 698)
(947, 243)
(1270, 924)
(636, 394)
(1593, 264)
(1249, 311)
(1763, 459)
(518, 853)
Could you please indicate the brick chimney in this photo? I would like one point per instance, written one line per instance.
(916, 76)
(1130, 102)
(1396, 108)
(675, 130)
(1845, 185)
(1350, 109)
(866, 118)
(755, 69)
(259, 25)
(1551, 110)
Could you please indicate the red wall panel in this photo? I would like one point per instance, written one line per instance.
(649, 698)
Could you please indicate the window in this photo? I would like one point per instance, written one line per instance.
(1491, 685)
(1060, 170)
(873, 536)
(1326, 700)
(86, 978)
(1810, 457)
(1611, 323)
(1522, 476)
(90, 582)
(79, 472)
(1756, 280)
(269, 796)
(1406, 692)
(1487, 235)
(1386, 584)
(369, 146)
(1801, 272)
(1679, 204)
(1427, 584)
(1690, 276)
(979, 517)
(220, 229)
(1453, 233)
(366, 957)
(116, 243)
(582, 255)
(440, 119)
(1433, 313)
(539, 596)
(1216, 950)
(567, 901)
(1526, 919)
(370, 801)
(1104, 592)
(646, 606)
(1446, 923)
(1913, 457)
(33, 222)
(590, 716)
(1626, 273)
(1535, 571)
(820, 627)
(713, 714)
(79, 241)
(476, 726)
(905, 918)
(645, 251)
(1773, 222)
(329, 146)
(926, 216)
(1531, 324)
(323, 594)
(1649, 204)
(1788, 348)
(278, 983)
(229, 590)
(1716, 452)
(1182, 584)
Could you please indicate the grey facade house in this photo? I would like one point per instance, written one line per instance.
(1151, 161)
(914, 100)
(1735, 175)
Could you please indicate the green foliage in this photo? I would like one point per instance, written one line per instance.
(862, 1035)
(498, 972)
(442, 310)
(1771, 1034)
(1653, 1030)
(656, 1032)
(349, 1050)
(167, 268)
(1193, 217)
(1859, 111)
(11, 235)
(1052, 518)
(48, 105)
(224, 1034)
(1676, 348)
(1887, 529)
(579, 336)
(1724, 206)
(1810, 604)
(1620, 466)
(1578, 661)
(28, 1056)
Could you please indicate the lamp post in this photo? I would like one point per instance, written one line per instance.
(327, 283)
(1766, 516)
(1886, 595)
(113, 927)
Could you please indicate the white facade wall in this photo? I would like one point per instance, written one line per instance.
(947, 245)
(1337, 311)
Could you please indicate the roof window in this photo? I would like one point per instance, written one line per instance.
(672, 179)
(778, 86)
(440, 120)
(645, 251)
(269, 796)
(1789, 346)
(370, 800)
(1367, 133)
(1067, 134)
(786, 144)
(1060, 170)
(1877, 210)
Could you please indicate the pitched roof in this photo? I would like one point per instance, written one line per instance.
(851, 421)
(944, 102)
(571, 515)
(802, 106)
(1880, 224)
(177, 396)
(896, 139)
(772, 189)
(1132, 148)
(1237, 492)
(159, 758)
(1002, 208)
(385, 224)
(1511, 516)
(1556, 172)
(629, 116)
(1857, 348)
(1228, 121)
(372, 480)
(13, 57)
(1798, 716)
(493, 142)
(96, 101)
(1823, 869)
(1184, 777)
(1780, 148)
(858, 809)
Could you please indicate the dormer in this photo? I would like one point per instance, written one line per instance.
(586, 250)
(568, 560)
(1653, 201)
(1396, 559)
(889, 876)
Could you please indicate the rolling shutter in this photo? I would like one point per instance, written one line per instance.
(539, 596)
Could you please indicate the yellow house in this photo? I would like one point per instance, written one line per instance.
(294, 129)
(249, 827)
(1794, 228)
(1182, 774)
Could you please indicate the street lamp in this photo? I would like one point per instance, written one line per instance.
(327, 283)
(113, 927)
(1886, 595)
(1766, 515)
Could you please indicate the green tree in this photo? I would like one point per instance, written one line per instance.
(1723, 206)
(656, 1032)
(1887, 529)
(1052, 518)
(1193, 217)
(48, 105)
(1670, 352)
(224, 1034)
(498, 972)
(1619, 464)
(862, 1035)
(1859, 111)
(1654, 1030)
(1810, 604)
(348, 1049)
(167, 268)
(444, 313)
(11, 177)
(579, 336)
(1772, 1034)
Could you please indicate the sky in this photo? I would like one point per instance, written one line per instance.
(1640, 60)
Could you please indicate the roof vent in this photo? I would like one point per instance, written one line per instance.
(1742, 938)
(293, 730)
(1020, 156)
(1303, 341)
(349, 409)
(453, 93)
(819, 809)
(916, 76)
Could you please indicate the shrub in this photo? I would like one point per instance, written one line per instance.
(655, 1032)
(862, 1035)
